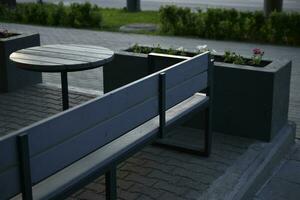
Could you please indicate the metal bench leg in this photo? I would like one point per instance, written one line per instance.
(111, 184)
(64, 90)
(25, 167)
(181, 146)
(208, 132)
(162, 104)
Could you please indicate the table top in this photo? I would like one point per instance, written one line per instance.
(61, 57)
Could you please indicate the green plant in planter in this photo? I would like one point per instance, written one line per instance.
(181, 51)
(228, 57)
(232, 57)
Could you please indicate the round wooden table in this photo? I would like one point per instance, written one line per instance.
(62, 58)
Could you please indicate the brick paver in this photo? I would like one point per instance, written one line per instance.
(31, 104)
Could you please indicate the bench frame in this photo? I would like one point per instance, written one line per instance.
(110, 169)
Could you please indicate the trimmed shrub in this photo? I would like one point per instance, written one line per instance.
(76, 15)
(278, 28)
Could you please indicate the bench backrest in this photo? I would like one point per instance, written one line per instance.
(60, 140)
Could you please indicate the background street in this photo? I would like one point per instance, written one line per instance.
(291, 5)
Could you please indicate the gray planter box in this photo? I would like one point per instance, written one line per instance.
(11, 77)
(127, 67)
(251, 101)
(248, 101)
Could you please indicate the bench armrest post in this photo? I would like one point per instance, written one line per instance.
(162, 104)
(208, 111)
(25, 171)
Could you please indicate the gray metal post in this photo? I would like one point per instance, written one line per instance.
(64, 89)
(111, 184)
(25, 170)
(272, 5)
(162, 104)
(133, 5)
(9, 3)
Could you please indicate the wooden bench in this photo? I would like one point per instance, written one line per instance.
(55, 157)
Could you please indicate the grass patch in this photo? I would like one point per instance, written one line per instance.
(113, 19)
(76, 15)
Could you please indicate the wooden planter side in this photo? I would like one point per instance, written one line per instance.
(11, 77)
(128, 67)
(251, 102)
(125, 68)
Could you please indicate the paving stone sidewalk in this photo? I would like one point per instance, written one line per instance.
(93, 79)
(285, 182)
(153, 173)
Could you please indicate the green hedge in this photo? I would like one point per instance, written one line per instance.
(76, 15)
(224, 24)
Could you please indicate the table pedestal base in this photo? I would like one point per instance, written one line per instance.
(64, 90)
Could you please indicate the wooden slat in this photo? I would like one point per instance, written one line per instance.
(81, 48)
(89, 115)
(185, 70)
(57, 58)
(60, 55)
(66, 153)
(8, 152)
(9, 183)
(34, 62)
(64, 51)
(186, 89)
(99, 48)
(45, 59)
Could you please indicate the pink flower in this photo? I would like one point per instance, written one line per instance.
(257, 51)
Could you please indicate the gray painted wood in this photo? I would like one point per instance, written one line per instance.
(186, 89)
(48, 48)
(57, 58)
(60, 181)
(61, 140)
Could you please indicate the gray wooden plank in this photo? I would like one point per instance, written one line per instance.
(71, 150)
(99, 48)
(65, 51)
(81, 48)
(186, 89)
(91, 113)
(45, 59)
(186, 69)
(60, 55)
(9, 183)
(8, 152)
(33, 62)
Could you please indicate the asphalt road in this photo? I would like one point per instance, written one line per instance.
(289, 5)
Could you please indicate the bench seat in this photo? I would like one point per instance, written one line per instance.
(99, 161)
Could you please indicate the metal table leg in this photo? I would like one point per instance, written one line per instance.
(64, 90)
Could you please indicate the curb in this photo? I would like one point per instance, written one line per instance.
(247, 175)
